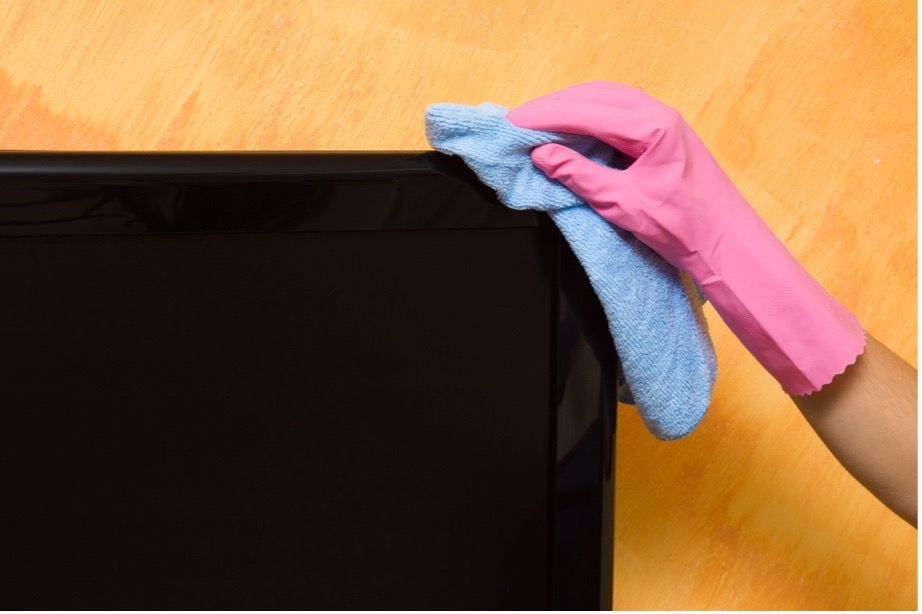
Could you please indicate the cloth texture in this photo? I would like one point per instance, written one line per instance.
(653, 311)
(678, 201)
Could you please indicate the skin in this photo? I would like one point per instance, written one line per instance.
(867, 417)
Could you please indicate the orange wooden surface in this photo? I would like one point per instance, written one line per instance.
(810, 107)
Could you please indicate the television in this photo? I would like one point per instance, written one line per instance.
(284, 381)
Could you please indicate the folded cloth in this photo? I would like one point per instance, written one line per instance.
(653, 310)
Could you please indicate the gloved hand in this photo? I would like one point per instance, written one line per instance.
(676, 199)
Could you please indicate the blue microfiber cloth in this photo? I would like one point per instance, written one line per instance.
(654, 312)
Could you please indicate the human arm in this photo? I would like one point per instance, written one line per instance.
(676, 199)
(867, 417)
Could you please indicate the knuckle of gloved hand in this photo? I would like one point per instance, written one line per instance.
(665, 124)
(668, 118)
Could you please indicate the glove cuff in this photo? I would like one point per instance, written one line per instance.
(801, 334)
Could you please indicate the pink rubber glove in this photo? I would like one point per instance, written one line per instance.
(677, 200)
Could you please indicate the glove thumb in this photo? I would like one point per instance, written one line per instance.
(602, 187)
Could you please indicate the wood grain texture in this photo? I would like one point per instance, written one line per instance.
(810, 107)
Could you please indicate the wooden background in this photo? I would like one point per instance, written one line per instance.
(810, 107)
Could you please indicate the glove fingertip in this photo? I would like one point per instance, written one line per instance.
(528, 116)
(569, 167)
(549, 158)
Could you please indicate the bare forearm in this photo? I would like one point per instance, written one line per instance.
(867, 417)
(677, 200)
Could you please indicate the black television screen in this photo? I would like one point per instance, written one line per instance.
(295, 381)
